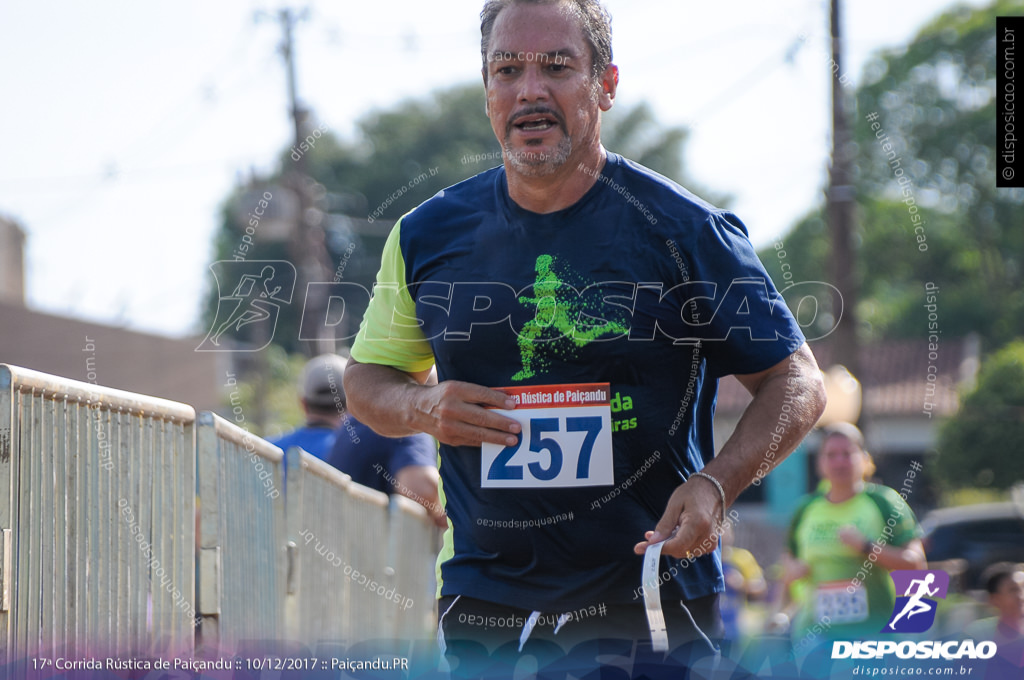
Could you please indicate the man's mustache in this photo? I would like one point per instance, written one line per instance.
(533, 111)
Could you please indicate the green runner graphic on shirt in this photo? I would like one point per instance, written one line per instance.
(559, 307)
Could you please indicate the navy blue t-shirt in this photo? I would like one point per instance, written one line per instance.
(639, 284)
(373, 460)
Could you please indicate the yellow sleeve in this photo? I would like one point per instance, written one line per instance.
(745, 561)
(390, 333)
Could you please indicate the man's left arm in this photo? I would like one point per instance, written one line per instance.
(788, 400)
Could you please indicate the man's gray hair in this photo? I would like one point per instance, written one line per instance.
(595, 21)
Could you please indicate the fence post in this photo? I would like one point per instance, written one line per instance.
(210, 588)
(294, 478)
(7, 434)
(241, 527)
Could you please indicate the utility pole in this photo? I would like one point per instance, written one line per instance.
(288, 21)
(307, 245)
(840, 213)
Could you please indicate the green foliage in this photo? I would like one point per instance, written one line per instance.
(269, 400)
(282, 391)
(227, 240)
(636, 134)
(981, 446)
(444, 133)
(954, 498)
(935, 101)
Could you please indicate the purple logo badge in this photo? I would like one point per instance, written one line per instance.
(915, 607)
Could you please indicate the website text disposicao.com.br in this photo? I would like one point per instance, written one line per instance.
(953, 671)
(902, 655)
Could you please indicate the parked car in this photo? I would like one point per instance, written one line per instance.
(979, 534)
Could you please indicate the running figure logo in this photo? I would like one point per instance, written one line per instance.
(915, 610)
(258, 289)
(558, 307)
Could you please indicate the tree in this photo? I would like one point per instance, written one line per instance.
(981, 446)
(928, 208)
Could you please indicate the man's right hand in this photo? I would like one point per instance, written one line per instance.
(456, 413)
(395, 404)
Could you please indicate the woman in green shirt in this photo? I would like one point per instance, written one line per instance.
(844, 540)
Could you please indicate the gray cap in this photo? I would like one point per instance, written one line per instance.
(320, 385)
(847, 430)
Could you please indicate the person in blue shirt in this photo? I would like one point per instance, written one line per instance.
(402, 465)
(323, 402)
(579, 310)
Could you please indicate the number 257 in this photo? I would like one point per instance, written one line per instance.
(501, 469)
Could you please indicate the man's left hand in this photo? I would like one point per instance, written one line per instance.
(690, 523)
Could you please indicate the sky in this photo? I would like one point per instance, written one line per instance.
(124, 125)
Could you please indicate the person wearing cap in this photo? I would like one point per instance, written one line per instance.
(845, 538)
(323, 402)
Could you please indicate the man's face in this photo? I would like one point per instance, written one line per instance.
(542, 100)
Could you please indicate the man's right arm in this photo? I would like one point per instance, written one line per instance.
(394, 403)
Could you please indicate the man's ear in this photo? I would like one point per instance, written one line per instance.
(609, 84)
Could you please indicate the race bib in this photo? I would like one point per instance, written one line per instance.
(566, 439)
(835, 601)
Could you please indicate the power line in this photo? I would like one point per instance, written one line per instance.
(765, 68)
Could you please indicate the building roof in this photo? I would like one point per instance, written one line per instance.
(114, 357)
(894, 376)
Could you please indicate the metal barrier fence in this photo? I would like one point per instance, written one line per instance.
(122, 516)
(364, 564)
(417, 580)
(97, 506)
(242, 563)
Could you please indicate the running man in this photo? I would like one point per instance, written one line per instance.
(914, 604)
(252, 302)
(458, 265)
(556, 310)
